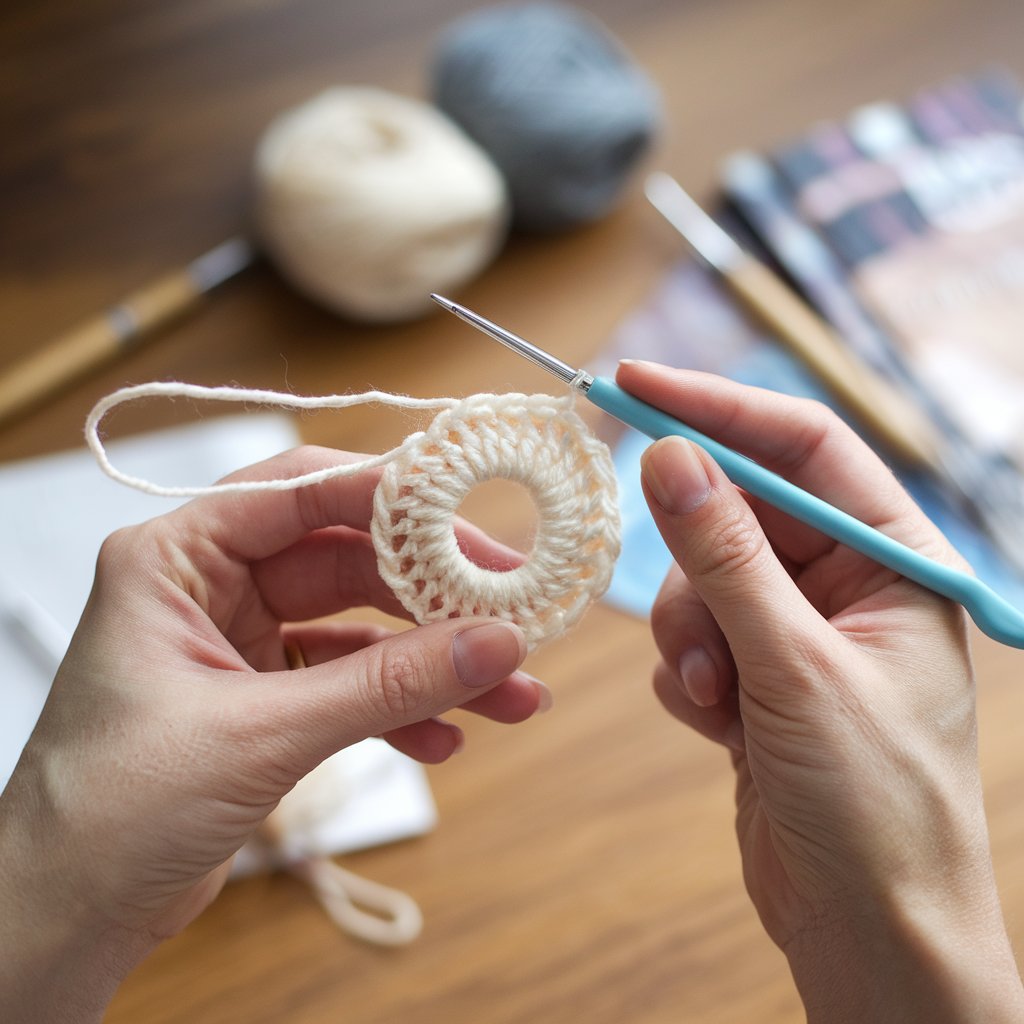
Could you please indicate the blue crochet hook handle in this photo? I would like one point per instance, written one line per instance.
(993, 615)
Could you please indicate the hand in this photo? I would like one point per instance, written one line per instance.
(173, 726)
(846, 697)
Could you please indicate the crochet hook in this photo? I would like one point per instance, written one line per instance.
(992, 613)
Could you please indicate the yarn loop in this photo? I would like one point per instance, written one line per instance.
(537, 441)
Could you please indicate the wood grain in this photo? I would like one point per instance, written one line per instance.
(585, 865)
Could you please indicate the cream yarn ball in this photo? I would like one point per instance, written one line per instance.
(368, 201)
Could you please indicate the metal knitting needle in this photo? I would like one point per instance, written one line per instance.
(993, 615)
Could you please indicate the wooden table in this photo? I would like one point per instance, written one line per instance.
(585, 864)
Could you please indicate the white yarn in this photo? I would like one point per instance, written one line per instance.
(368, 201)
(373, 912)
(535, 440)
(174, 389)
(359, 906)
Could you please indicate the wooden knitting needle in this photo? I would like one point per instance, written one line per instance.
(119, 328)
(891, 417)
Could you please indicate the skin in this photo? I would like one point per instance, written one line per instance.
(845, 696)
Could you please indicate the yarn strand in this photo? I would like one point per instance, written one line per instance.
(276, 399)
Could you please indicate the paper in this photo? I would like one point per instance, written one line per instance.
(365, 795)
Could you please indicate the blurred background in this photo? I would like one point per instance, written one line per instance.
(130, 131)
(584, 864)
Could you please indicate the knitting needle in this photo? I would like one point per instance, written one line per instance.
(898, 421)
(993, 615)
(883, 410)
(120, 327)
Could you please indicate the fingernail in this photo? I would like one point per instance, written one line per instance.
(734, 735)
(460, 739)
(487, 654)
(675, 475)
(700, 676)
(547, 698)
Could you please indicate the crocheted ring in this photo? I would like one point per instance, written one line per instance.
(533, 440)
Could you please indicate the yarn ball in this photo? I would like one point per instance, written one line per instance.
(367, 201)
(556, 102)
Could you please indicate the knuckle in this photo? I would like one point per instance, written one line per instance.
(677, 617)
(317, 506)
(663, 616)
(116, 547)
(401, 686)
(820, 426)
(307, 458)
(733, 547)
(123, 554)
(311, 501)
(818, 415)
(376, 633)
(811, 663)
(802, 676)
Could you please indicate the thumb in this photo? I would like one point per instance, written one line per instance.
(717, 541)
(406, 678)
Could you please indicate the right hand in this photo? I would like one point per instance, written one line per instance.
(846, 697)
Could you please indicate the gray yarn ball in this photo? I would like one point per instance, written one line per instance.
(555, 101)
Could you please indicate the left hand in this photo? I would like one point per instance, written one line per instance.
(173, 727)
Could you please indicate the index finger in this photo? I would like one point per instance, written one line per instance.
(281, 530)
(801, 440)
(256, 524)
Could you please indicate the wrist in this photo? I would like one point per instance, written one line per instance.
(63, 960)
(910, 962)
